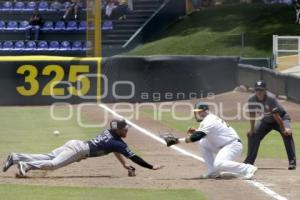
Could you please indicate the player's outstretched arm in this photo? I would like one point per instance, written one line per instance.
(138, 160)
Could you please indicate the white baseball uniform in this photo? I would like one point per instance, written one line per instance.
(221, 146)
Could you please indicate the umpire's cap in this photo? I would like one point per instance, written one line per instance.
(118, 124)
(260, 85)
(200, 106)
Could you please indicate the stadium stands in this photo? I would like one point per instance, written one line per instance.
(69, 35)
(55, 35)
(116, 35)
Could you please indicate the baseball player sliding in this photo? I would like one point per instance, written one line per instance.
(110, 140)
(219, 144)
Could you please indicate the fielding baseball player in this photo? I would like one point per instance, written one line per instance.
(110, 140)
(274, 117)
(219, 144)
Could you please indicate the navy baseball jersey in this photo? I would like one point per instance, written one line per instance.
(106, 142)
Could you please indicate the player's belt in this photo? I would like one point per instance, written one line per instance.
(229, 142)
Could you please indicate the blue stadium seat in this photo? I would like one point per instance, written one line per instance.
(82, 25)
(8, 45)
(12, 25)
(30, 45)
(19, 45)
(19, 5)
(42, 45)
(65, 45)
(55, 6)
(2, 25)
(60, 25)
(66, 5)
(87, 45)
(54, 45)
(43, 6)
(72, 25)
(48, 25)
(23, 25)
(31, 6)
(77, 45)
(7, 5)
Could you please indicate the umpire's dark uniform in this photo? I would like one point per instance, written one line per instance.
(268, 106)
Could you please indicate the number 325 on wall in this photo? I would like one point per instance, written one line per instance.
(52, 87)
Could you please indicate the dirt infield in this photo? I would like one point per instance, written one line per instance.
(179, 172)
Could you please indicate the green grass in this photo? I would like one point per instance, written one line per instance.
(26, 192)
(30, 129)
(218, 31)
(271, 147)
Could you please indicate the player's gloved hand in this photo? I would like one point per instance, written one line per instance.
(170, 139)
(157, 167)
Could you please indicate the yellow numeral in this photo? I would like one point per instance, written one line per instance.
(74, 77)
(30, 79)
(50, 88)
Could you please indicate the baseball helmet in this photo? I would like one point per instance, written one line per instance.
(200, 106)
(260, 85)
(118, 124)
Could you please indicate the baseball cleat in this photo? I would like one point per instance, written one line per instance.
(8, 163)
(292, 167)
(250, 174)
(23, 168)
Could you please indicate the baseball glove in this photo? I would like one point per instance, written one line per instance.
(170, 139)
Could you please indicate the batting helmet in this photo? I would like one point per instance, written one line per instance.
(118, 124)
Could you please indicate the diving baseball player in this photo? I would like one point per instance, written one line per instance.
(110, 140)
(219, 144)
(274, 117)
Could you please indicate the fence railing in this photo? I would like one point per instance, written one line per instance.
(278, 83)
(286, 50)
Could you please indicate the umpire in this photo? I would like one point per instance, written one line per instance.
(274, 117)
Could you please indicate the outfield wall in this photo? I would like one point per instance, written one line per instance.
(167, 78)
(43, 80)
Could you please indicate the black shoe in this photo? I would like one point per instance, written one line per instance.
(292, 165)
